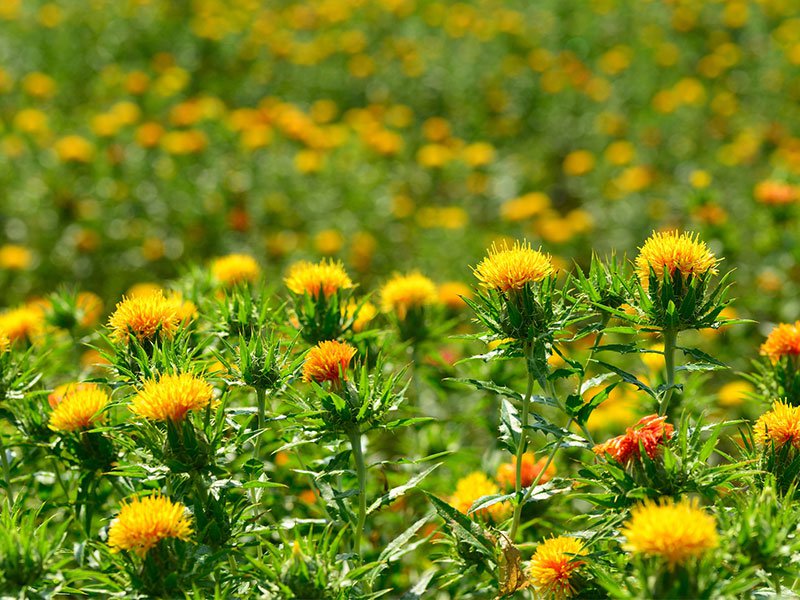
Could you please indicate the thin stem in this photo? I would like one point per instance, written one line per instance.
(523, 440)
(670, 339)
(6, 471)
(361, 471)
(261, 399)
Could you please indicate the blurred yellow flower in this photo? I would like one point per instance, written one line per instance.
(524, 207)
(325, 277)
(473, 487)
(404, 292)
(15, 258)
(578, 162)
(79, 408)
(235, 268)
(74, 148)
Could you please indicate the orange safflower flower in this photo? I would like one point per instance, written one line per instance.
(783, 340)
(507, 472)
(327, 361)
(651, 431)
(779, 426)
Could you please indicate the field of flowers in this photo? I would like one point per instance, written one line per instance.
(354, 299)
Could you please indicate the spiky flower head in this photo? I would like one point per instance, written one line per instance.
(506, 269)
(325, 277)
(507, 472)
(779, 426)
(673, 531)
(475, 486)
(79, 409)
(235, 268)
(651, 431)
(60, 392)
(22, 323)
(672, 251)
(553, 566)
(144, 522)
(327, 361)
(783, 340)
(405, 292)
(145, 317)
(171, 396)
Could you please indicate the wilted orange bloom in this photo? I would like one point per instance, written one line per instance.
(779, 426)
(673, 251)
(506, 269)
(79, 408)
(144, 522)
(652, 431)
(325, 277)
(235, 268)
(553, 565)
(783, 340)
(507, 472)
(474, 486)
(145, 317)
(171, 396)
(327, 361)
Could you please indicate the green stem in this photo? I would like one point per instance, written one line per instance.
(361, 471)
(6, 472)
(261, 399)
(523, 440)
(670, 339)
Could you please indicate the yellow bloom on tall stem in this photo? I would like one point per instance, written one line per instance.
(325, 277)
(553, 565)
(783, 340)
(673, 251)
(170, 397)
(673, 531)
(235, 268)
(145, 317)
(144, 522)
(474, 486)
(506, 269)
(79, 408)
(405, 292)
(327, 361)
(779, 426)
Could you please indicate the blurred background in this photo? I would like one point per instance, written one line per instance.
(139, 136)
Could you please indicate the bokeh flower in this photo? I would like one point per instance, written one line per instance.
(60, 392)
(171, 396)
(326, 277)
(783, 340)
(235, 268)
(779, 426)
(406, 292)
(22, 323)
(15, 258)
(474, 486)
(651, 431)
(145, 317)
(671, 252)
(507, 472)
(79, 408)
(144, 522)
(506, 269)
(327, 361)
(553, 566)
(673, 531)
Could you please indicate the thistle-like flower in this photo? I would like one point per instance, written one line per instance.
(327, 361)
(553, 567)
(673, 531)
(779, 426)
(79, 408)
(403, 293)
(144, 522)
(235, 268)
(324, 277)
(674, 252)
(506, 269)
(145, 317)
(170, 397)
